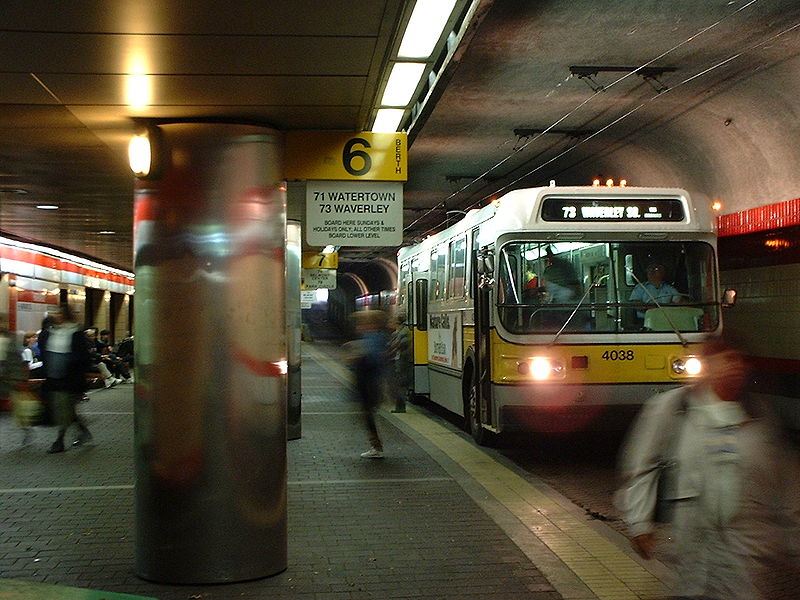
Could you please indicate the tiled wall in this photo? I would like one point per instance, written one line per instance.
(767, 310)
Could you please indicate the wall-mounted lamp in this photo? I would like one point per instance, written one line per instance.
(145, 153)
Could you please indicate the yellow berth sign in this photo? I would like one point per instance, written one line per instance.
(320, 260)
(348, 156)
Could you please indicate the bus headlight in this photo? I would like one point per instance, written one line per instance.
(689, 365)
(541, 367)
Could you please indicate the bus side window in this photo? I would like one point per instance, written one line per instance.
(438, 274)
(456, 282)
(421, 304)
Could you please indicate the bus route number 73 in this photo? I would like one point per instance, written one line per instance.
(618, 355)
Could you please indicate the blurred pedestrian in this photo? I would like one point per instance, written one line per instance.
(65, 354)
(370, 364)
(13, 378)
(12, 367)
(736, 494)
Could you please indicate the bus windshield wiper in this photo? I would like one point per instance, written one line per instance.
(595, 283)
(684, 342)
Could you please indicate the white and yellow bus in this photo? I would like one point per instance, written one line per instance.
(544, 310)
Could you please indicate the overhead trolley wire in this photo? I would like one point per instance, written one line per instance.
(584, 103)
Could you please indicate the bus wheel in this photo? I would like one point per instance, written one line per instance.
(479, 434)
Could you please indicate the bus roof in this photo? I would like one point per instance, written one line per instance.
(581, 209)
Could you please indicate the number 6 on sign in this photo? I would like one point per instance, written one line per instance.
(348, 154)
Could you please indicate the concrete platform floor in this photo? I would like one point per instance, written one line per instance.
(437, 518)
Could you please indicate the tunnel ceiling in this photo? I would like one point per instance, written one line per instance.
(714, 108)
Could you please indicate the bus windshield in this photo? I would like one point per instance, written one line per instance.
(607, 287)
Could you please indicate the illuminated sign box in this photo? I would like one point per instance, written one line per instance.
(611, 209)
(346, 156)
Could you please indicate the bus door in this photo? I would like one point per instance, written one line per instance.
(480, 412)
(418, 306)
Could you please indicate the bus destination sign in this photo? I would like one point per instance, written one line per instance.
(611, 209)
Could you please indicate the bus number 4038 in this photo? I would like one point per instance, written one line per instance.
(618, 355)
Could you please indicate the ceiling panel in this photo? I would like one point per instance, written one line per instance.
(106, 118)
(42, 53)
(202, 90)
(22, 88)
(315, 17)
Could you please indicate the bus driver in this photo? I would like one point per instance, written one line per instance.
(655, 288)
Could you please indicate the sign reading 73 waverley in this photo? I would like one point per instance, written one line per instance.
(335, 155)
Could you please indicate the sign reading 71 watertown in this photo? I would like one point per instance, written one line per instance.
(354, 190)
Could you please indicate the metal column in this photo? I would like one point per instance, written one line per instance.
(210, 409)
(293, 326)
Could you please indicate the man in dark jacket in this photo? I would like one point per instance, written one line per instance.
(65, 354)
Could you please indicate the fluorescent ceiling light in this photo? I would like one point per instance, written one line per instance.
(402, 83)
(425, 28)
(47, 207)
(388, 120)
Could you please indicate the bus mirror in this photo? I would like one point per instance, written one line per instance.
(729, 297)
(485, 264)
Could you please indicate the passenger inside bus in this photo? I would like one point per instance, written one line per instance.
(532, 293)
(560, 280)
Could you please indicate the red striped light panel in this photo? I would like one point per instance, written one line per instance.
(40, 262)
(761, 218)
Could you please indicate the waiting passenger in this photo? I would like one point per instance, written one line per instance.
(34, 364)
(115, 364)
(400, 351)
(125, 352)
(96, 362)
(655, 289)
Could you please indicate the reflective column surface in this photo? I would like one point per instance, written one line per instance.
(210, 400)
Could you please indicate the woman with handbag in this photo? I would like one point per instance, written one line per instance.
(736, 493)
